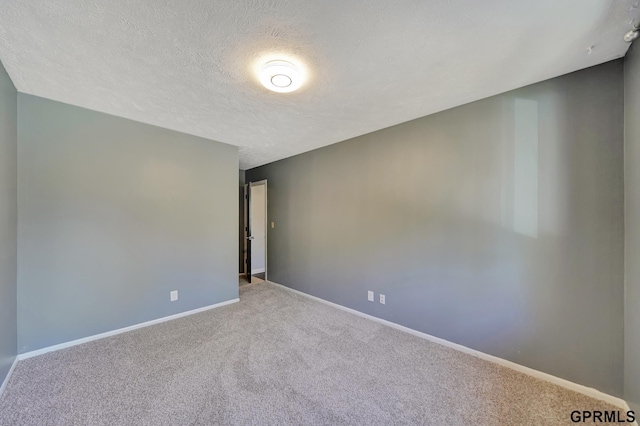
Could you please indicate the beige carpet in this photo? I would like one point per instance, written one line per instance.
(276, 358)
(254, 280)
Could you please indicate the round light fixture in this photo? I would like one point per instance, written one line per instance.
(281, 76)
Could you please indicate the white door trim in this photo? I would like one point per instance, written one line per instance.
(266, 228)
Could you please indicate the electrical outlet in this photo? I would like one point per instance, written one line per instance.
(174, 295)
(370, 296)
(273, 225)
(382, 299)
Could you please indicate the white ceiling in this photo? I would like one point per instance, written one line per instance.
(188, 65)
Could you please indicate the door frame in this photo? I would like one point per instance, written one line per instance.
(266, 225)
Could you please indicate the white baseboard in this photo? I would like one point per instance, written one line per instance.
(591, 392)
(120, 330)
(257, 271)
(6, 379)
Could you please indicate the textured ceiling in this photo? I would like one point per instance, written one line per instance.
(189, 65)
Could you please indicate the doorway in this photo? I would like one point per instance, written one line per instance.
(255, 253)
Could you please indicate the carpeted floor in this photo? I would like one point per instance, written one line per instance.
(276, 358)
(254, 280)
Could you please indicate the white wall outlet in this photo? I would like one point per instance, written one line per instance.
(382, 299)
(273, 225)
(174, 295)
(370, 296)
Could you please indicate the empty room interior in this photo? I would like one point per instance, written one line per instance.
(296, 212)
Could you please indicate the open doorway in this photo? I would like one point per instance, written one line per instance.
(255, 250)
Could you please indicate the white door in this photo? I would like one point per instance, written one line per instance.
(258, 218)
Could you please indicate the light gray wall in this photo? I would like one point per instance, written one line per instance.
(632, 226)
(497, 225)
(113, 215)
(8, 223)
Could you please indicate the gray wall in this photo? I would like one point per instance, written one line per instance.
(632, 226)
(497, 225)
(113, 215)
(8, 223)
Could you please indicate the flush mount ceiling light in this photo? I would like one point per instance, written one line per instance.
(281, 76)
